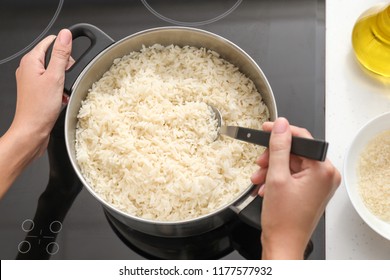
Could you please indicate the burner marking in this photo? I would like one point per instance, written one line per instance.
(28, 225)
(21, 246)
(38, 38)
(55, 227)
(52, 248)
(185, 23)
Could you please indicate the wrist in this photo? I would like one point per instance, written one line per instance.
(26, 142)
(283, 248)
(18, 148)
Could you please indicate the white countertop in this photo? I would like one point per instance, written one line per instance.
(353, 97)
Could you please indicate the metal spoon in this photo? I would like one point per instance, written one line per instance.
(309, 148)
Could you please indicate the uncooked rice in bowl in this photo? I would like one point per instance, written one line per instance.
(374, 175)
(145, 134)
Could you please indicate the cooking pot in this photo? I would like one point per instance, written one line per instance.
(99, 57)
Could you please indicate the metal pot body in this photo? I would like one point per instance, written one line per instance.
(99, 58)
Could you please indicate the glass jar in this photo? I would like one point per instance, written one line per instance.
(371, 39)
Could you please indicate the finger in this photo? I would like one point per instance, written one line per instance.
(35, 59)
(279, 150)
(70, 63)
(296, 164)
(40, 49)
(261, 190)
(267, 126)
(60, 55)
(301, 132)
(259, 176)
(295, 130)
(263, 159)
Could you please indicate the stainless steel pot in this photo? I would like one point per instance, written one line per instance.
(99, 58)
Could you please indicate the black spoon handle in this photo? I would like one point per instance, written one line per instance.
(309, 148)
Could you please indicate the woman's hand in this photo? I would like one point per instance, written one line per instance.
(40, 90)
(39, 99)
(295, 192)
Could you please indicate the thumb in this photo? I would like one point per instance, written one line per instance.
(61, 53)
(279, 149)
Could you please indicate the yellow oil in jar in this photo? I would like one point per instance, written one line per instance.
(371, 39)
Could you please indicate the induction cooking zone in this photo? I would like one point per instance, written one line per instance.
(47, 214)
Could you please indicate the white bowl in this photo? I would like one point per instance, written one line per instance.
(365, 134)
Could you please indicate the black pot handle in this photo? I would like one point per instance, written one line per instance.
(99, 42)
(251, 214)
(248, 209)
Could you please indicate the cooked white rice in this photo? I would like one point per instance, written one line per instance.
(144, 138)
(374, 175)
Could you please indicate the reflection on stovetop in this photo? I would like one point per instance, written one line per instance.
(215, 244)
(210, 245)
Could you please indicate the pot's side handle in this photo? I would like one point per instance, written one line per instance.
(251, 214)
(99, 42)
(249, 209)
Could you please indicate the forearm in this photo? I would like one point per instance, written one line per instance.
(18, 147)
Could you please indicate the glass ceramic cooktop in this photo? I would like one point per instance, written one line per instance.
(56, 218)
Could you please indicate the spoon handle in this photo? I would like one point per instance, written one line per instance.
(309, 148)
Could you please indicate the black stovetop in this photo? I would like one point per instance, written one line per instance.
(57, 218)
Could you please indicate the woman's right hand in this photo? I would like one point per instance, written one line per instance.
(295, 192)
